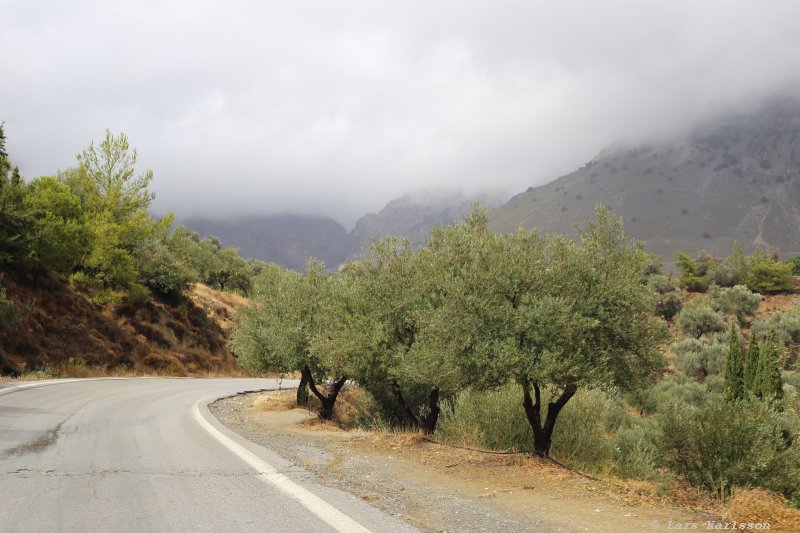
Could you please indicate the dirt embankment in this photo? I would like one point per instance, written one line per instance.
(439, 488)
(65, 333)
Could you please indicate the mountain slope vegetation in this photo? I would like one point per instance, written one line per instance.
(89, 279)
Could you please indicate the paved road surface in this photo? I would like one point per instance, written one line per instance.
(146, 455)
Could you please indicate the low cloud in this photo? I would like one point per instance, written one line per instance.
(335, 108)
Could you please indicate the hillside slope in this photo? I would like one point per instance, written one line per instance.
(413, 215)
(65, 332)
(733, 179)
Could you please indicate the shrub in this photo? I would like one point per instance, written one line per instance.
(785, 324)
(723, 275)
(794, 262)
(767, 275)
(162, 272)
(678, 388)
(699, 320)
(669, 295)
(720, 445)
(496, 420)
(636, 450)
(137, 294)
(699, 359)
(493, 419)
(693, 274)
(581, 436)
(738, 301)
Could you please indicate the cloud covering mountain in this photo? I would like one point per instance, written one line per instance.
(332, 108)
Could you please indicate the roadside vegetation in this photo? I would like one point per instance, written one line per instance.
(81, 243)
(583, 350)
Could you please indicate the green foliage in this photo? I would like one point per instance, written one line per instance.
(701, 358)
(161, 271)
(734, 367)
(59, 237)
(767, 275)
(678, 388)
(761, 272)
(737, 301)
(110, 168)
(277, 332)
(785, 324)
(495, 420)
(14, 220)
(636, 449)
(732, 270)
(698, 320)
(488, 419)
(137, 294)
(669, 295)
(110, 260)
(692, 274)
(751, 364)
(10, 312)
(794, 261)
(210, 263)
(768, 383)
(719, 445)
(582, 435)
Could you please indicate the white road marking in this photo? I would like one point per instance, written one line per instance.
(268, 474)
(44, 383)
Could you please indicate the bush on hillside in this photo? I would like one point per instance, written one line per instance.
(669, 295)
(698, 320)
(161, 271)
(721, 445)
(698, 359)
(738, 301)
(767, 275)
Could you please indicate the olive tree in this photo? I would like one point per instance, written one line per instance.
(556, 316)
(278, 331)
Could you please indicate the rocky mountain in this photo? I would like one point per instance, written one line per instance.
(413, 215)
(290, 240)
(736, 178)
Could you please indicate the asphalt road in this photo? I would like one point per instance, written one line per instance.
(146, 455)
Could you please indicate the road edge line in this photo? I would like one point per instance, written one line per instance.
(47, 382)
(269, 474)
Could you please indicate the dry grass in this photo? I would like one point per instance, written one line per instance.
(219, 305)
(759, 505)
(65, 334)
(776, 303)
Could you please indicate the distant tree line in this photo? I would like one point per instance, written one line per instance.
(761, 272)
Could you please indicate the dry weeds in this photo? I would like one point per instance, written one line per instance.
(759, 505)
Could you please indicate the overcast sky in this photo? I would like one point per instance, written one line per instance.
(335, 107)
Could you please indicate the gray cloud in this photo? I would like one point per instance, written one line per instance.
(335, 108)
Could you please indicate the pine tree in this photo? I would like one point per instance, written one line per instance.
(768, 381)
(734, 368)
(751, 366)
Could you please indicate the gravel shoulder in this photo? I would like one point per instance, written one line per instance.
(439, 488)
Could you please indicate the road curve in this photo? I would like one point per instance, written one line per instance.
(146, 455)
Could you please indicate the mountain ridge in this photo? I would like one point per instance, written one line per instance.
(733, 179)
